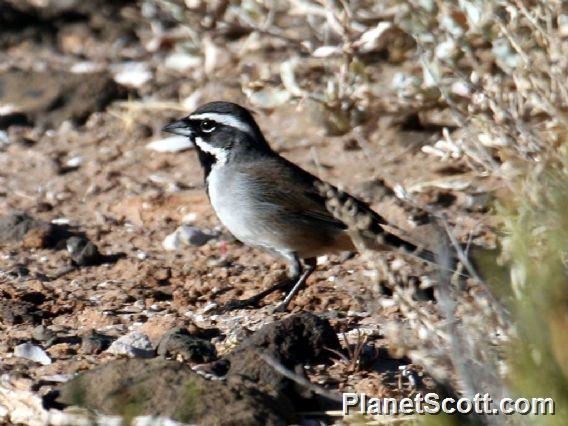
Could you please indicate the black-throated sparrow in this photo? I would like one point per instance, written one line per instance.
(268, 202)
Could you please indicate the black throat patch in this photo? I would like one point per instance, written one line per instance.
(207, 161)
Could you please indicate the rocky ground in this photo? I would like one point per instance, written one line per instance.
(112, 261)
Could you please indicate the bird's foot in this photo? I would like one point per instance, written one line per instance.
(280, 308)
(253, 302)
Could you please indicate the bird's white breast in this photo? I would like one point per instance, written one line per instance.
(232, 203)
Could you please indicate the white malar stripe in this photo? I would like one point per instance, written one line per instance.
(226, 119)
(219, 153)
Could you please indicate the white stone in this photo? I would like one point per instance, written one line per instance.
(57, 378)
(74, 161)
(33, 353)
(186, 235)
(171, 242)
(189, 218)
(171, 144)
(133, 74)
(182, 62)
(134, 344)
(86, 67)
(60, 221)
(4, 140)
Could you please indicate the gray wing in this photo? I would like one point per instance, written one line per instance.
(297, 192)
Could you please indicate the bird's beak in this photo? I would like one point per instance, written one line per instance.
(180, 127)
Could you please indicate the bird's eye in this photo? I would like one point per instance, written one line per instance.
(207, 126)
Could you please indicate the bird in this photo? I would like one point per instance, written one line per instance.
(268, 202)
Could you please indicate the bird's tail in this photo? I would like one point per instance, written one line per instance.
(387, 241)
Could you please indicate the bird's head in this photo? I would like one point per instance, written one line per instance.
(219, 129)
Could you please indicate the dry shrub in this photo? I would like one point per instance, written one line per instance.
(501, 69)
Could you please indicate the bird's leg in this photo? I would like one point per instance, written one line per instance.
(297, 280)
(252, 302)
(310, 266)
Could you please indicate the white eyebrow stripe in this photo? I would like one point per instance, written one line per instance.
(226, 119)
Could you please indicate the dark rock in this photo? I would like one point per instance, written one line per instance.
(49, 98)
(13, 119)
(20, 20)
(42, 334)
(14, 312)
(94, 343)
(203, 333)
(20, 272)
(49, 337)
(194, 236)
(296, 340)
(162, 294)
(82, 251)
(218, 368)
(178, 341)
(43, 207)
(133, 387)
(32, 233)
(35, 297)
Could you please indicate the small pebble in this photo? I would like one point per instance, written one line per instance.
(171, 242)
(193, 236)
(171, 144)
(57, 378)
(182, 62)
(187, 235)
(131, 74)
(94, 343)
(189, 217)
(178, 342)
(33, 353)
(74, 162)
(209, 307)
(135, 344)
(42, 333)
(82, 251)
(4, 140)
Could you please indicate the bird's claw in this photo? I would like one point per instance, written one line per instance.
(280, 308)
